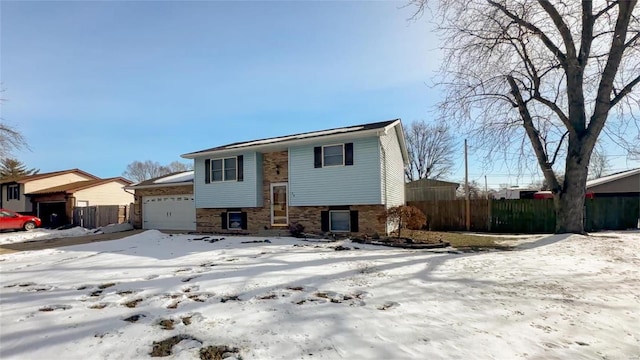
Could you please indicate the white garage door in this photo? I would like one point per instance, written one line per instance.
(169, 212)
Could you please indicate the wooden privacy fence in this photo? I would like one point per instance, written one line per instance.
(527, 215)
(92, 217)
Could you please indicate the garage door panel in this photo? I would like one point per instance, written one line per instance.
(169, 212)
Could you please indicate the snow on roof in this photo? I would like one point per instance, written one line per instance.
(176, 178)
(612, 177)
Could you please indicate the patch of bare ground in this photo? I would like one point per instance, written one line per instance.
(295, 288)
(107, 285)
(132, 303)
(166, 324)
(224, 299)
(165, 347)
(186, 320)
(219, 352)
(98, 306)
(54, 307)
(268, 297)
(134, 318)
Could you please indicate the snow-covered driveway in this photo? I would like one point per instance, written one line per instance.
(562, 297)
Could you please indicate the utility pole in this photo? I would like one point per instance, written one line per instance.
(466, 188)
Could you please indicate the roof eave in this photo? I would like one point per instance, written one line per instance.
(149, 186)
(287, 143)
(401, 140)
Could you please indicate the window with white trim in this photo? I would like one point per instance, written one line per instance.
(234, 220)
(339, 221)
(333, 155)
(224, 169)
(13, 192)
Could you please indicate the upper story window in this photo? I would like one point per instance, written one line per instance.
(225, 169)
(13, 192)
(333, 155)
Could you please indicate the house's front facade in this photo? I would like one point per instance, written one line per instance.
(337, 180)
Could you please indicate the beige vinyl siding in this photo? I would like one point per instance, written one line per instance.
(39, 184)
(110, 193)
(22, 205)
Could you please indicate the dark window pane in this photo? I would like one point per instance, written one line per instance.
(235, 220)
(339, 220)
(229, 169)
(333, 155)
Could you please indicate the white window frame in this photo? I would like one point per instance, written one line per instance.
(331, 212)
(224, 179)
(13, 194)
(229, 220)
(332, 145)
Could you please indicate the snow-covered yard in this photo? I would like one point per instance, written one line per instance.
(13, 237)
(559, 297)
(41, 234)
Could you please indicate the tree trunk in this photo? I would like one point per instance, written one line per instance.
(569, 203)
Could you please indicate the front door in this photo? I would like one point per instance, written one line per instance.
(279, 204)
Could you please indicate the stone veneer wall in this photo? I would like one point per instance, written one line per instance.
(136, 212)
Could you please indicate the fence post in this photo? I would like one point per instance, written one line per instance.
(489, 216)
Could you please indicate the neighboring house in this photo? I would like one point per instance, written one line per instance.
(336, 180)
(625, 183)
(59, 192)
(516, 192)
(430, 190)
(165, 202)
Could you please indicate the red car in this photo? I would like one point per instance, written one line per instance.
(12, 220)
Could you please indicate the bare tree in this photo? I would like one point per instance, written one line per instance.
(546, 73)
(10, 138)
(140, 171)
(177, 166)
(431, 150)
(599, 163)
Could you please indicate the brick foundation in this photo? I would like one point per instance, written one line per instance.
(209, 220)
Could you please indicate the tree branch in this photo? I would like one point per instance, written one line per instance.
(555, 153)
(605, 88)
(562, 27)
(534, 137)
(587, 33)
(625, 90)
(545, 39)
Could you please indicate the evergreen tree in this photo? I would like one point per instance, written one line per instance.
(13, 169)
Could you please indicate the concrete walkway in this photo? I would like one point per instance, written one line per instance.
(60, 242)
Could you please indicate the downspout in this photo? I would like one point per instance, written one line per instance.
(383, 153)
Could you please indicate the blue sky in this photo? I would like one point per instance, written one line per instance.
(97, 85)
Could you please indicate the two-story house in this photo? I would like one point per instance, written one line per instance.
(336, 180)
